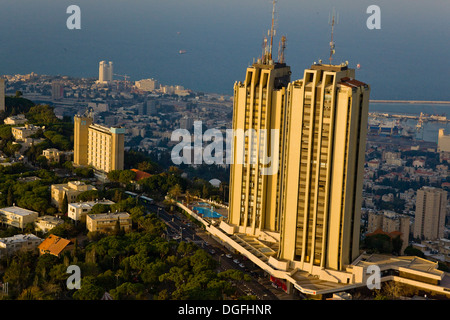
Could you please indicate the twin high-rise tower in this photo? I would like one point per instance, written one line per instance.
(310, 204)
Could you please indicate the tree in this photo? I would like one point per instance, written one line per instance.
(397, 243)
(126, 176)
(89, 290)
(64, 204)
(89, 195)
(117, 229)
(175, 191)
(411, 251)
(10, 197)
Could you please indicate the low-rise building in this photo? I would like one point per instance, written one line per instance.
(55, 245)
(15, 120)
(72, 189)
(20, 133)
(390, 222)
(46, 223)
(17, 217)
(55, 155)
(106, 222)
(18, 242)
(78, 210)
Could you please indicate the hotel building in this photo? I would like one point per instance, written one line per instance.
(324, 159)
(310, 202)
(98, 146)
(296, 191)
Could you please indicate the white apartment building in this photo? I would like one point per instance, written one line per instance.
(18, 242)
(17, 217)
(78, 210)
(46, 223)
(72, 189)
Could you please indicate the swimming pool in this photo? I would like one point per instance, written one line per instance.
(203, 204)
(206, 212)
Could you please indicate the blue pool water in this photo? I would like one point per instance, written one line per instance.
(207, 212)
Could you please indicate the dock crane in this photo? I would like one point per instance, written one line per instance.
(125, 78)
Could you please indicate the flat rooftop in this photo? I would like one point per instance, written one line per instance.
(408, 262)
(104, 216)
(90, 204)
(329, 67)
(18, 211)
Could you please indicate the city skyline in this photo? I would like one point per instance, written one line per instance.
(318, 197)
(406, 38)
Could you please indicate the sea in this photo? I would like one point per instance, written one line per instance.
(404, 59)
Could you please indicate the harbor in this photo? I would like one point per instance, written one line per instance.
(409, 120)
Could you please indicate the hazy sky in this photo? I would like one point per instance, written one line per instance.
(406, 58)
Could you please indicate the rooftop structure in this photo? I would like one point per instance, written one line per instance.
(54, 245)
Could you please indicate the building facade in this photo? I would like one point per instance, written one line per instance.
(26, 242)
(105, 72)
(98, 146)
(77, 211)
(390, 222)
(71, 189)
(258, 123)
(47, 223)
(17, 217)
(309, 204)
(21, 133)
(147, 85)
(325, 145)
(106, 222)
(431, 208)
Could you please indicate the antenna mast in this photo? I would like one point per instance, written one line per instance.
(332, 44)
(272, 30)
(281, 48)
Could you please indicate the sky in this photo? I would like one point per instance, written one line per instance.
(405, 59)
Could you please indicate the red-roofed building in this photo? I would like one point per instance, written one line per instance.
(140, 174)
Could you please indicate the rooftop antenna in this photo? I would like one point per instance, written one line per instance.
(281, 48)
(268, 43)
(272, 30)
(332, 22)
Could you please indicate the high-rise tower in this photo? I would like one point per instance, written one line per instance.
(105, 72)
(431, 208)
(309, 204)
(325, 145)
(258, 120)
(98, 146)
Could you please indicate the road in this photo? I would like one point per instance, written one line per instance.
(179, 227)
